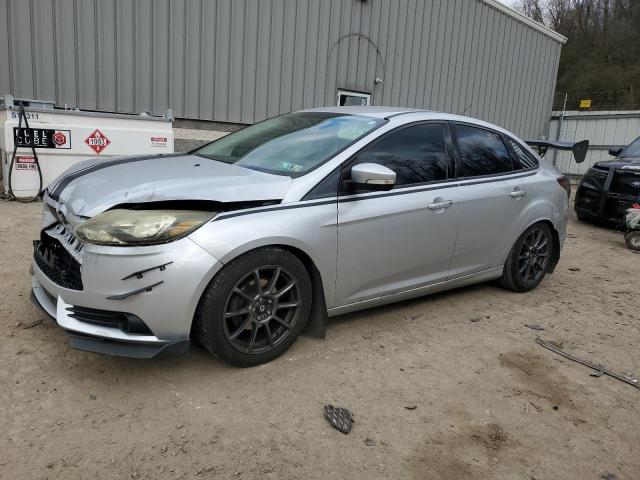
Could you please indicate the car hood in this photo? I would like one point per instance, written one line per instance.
(94, 186)
(630, 162)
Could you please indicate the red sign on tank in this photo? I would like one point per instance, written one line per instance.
(97, 141)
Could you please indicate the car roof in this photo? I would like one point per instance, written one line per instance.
(407, 115)
(377, 112)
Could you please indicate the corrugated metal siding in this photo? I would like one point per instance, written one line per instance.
(602, 129)
(245, 60)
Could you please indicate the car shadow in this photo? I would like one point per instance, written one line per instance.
(410, 304)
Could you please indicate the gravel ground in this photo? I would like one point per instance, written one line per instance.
(489, 402)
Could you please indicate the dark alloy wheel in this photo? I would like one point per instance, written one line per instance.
(262, 309)
(534, 255)
(255, 307)
(529, 259)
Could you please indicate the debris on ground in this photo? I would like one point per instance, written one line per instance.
(573, 269)
(534, 327)
(369, 442)
(536, 406)
(628, 378)
(340, 418)
(608, 476)
(25, 326)
(411, 407)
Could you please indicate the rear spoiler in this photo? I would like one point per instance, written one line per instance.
(579, 149)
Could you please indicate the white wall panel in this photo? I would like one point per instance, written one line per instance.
(602, 129)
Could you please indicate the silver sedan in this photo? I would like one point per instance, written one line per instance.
(250, 240)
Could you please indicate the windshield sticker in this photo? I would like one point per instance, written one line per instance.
(292, 167)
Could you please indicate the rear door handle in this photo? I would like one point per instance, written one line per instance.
(518, 193)
(440, 205)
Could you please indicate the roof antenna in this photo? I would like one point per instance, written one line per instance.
(465, 110)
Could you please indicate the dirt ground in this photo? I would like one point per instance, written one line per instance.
(489, 402)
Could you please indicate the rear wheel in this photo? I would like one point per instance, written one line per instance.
(255, 307)
(529, 258)
(632, 240)
(581, 216)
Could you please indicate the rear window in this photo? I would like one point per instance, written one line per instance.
(522, 159)
(291, 144)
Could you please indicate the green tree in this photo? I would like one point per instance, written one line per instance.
(601, 59)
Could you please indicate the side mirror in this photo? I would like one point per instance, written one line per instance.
(614, 152)
(372, 176)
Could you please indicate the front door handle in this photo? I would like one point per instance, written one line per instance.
(517, 193)
(440, 205)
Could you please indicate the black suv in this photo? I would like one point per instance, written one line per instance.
(609, 188)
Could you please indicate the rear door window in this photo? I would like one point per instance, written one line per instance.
(482, 152)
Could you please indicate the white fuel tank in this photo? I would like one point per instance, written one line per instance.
(64, 137)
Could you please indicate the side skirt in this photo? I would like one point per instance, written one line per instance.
(484, 276)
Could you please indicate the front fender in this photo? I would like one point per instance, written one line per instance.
(308, 227)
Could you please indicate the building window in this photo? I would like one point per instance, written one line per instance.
(348, 98)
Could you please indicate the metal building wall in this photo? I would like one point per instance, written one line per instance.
(604, 130)
(245, 60)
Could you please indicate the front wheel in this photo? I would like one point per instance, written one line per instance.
(255, 307)
(528, 260)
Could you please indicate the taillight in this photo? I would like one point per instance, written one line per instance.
(566, 184)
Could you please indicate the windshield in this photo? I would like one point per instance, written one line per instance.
(632, 150)
(290, 144)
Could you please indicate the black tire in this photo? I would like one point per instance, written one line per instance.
(582, 216)
(632, 240)
(528, 261)
(259, 335)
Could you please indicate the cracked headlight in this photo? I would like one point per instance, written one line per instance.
(140, 227)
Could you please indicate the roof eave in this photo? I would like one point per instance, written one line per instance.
(526, 20)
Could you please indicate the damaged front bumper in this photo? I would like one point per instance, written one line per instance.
(131, 301)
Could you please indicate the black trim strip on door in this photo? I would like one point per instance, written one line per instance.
(393, 193)
(497, 179)
(353, 198)
(239, 213)
(452, 183)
